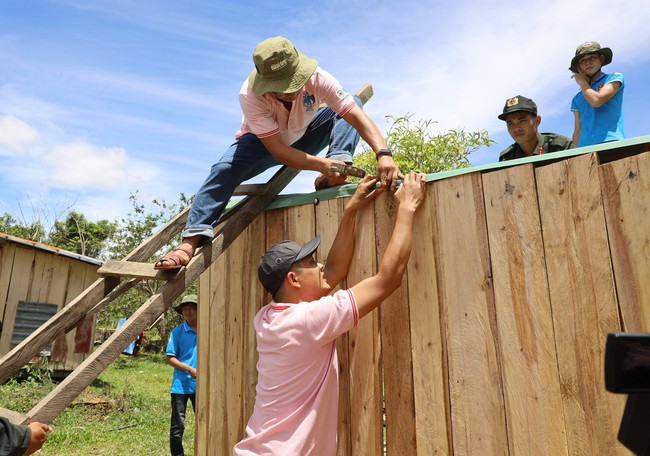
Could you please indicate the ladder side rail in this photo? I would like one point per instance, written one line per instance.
(61, 396)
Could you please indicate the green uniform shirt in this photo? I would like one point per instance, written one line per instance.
(546, 142)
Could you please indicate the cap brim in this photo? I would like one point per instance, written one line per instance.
(260, 86)
(307, 249)
(504, 115)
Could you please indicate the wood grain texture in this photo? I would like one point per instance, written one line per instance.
(19, 286)
(583, 299)
(464, 278)
(363, 349)
(523, 311)
(396, 345)
(626, 197)
(431, 392)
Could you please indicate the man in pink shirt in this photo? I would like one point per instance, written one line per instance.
(283, 124)
(296, 405)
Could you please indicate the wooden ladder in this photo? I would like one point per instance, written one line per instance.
(121, 276)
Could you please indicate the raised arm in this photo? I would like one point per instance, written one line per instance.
(372, 291)
(387, 170)
(596, 98)
(340, 255)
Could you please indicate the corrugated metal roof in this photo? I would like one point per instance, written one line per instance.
(49, 248)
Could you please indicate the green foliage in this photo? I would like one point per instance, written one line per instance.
(36, 372)
(415, 148)
(34, 231)
(76, 234)
(131, 231)
(126, 410)
(142, 222)
(110, 240)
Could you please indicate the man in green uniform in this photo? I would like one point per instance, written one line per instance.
(520, 115)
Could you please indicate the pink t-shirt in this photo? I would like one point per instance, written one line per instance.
(266, 116)
(296, 407)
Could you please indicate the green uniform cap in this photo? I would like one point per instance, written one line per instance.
(516, 104)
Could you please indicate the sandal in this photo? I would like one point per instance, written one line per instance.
(173, 260)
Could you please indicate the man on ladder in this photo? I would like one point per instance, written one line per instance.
(283, 124)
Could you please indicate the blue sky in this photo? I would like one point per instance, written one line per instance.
(101, 98)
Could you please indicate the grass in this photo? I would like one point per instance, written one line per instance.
(125, 411)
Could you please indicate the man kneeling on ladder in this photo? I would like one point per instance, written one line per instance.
(283, 124)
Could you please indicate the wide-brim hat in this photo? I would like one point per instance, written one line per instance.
(187, 299)
(590, 47)
(277, 261)
(516, 104)
(279, 67)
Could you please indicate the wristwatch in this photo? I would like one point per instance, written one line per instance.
(381, 152)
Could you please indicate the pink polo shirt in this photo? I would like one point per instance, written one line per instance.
(266, 116)
(296, 406)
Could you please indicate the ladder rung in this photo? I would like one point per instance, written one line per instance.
(134, 269)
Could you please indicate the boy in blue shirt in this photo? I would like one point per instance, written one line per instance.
(181, 354)
(598, 107)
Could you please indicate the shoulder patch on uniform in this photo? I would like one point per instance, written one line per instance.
(341, 93)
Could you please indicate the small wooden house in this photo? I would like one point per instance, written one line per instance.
(36, 281)
(494, 344)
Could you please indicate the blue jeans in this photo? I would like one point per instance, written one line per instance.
(177, 428)
(248, 157)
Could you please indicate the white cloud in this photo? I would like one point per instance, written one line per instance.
(15, 134)
(82, 166)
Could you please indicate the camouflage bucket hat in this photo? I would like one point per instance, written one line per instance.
(279, 67)
(188, 299)
(590, 47)
(516, 104)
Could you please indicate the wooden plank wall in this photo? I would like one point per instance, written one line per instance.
(31, 275)
(495, 342)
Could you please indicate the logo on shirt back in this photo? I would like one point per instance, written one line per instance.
(308, 101)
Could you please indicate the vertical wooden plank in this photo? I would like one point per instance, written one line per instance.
(275, 222)
(57, 293)
(626, 197)
(19, 287)
(41, 277)
(396, 347)
(60, 272)
(218, 441)
(235, 281)
(203, 371)
(254, 297)
(366, 429)
(301, 226)
(523, 310)
(327, 217)
(7, 258)
(76, 284)
(583, 300)
(432, 420)
(465, 293)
